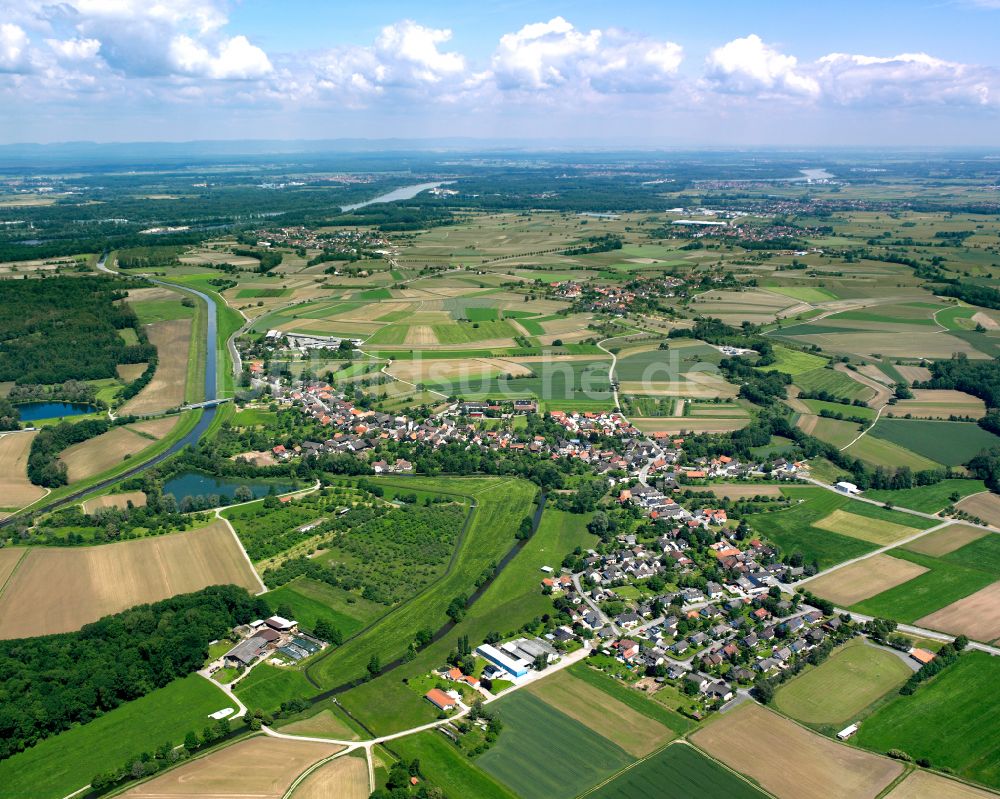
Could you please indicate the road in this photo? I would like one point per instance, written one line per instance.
(594, 606)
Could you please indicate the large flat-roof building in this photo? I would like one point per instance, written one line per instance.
(513, 665)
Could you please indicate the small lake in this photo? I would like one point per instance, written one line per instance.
(196, 484)
(33, 411)
(403, 193)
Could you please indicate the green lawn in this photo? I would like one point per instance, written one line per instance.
(953, 720)
(928, 499)
(845, 684)
(950, 443)
(944, 583)
(447, 767)
(250, 417)
(544, 754)
(678, 772)
(267, 686)
(60, 765)
(311, 600)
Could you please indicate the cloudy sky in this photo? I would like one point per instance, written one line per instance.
(651, 73)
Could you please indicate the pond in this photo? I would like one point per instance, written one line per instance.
(197, 484)
(33, 411)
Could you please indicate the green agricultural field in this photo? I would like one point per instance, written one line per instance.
(150, 311)
(881, 452)
(982, 554)
(792, 530)
(950, 443)
(389, 335)
(928, 499)
(544, 754)
(860, 411)
(311, 601)
(836, 432)
(946, 581)
(845, 684)
(267, 686)
(62, 764)
(834, 382)
(804, 293)
(666, 365)
(794, 362)
(953, 720)
(470, 332)
(446, 766)
(501, 504)
(678, 772)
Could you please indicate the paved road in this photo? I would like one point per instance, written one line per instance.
(594, 606)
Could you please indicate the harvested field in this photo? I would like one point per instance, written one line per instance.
(807, 423)
(687, 424)
(891, 343)
(881, 392)
(877, 531)
(9, 558)
(872, 371)
(16, 490)
(930, 403)
(976, 616)
(343, 778)
(137, 498)
(167, 388)
(259, 768)
(738, 490)
(913, 373)
(420, 336)
(985, 506)
(130, 371)
(947, 539)
(325, 724)
(153, 293)
(863, 579)
(925, 785)
(790, 761)
(60, 589)
(103, 452)
(157, 428)
(986, 321)
(635, 733)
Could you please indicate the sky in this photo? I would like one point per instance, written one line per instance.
(646, 73)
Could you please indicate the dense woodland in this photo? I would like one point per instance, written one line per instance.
(66, 328)
(49, 683)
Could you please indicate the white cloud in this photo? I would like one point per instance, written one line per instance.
(13, 47)
(749, 66)
(234, 59)
(74, 49)
(553, 54)
(906, 79)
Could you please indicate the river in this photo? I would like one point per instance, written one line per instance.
(402, 193)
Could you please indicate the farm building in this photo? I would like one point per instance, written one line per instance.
(513, 665)
(280, 624)
(246, 652)
(440, 699)
(847, 488)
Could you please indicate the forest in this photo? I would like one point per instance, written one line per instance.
(51, 682)
(64, 328)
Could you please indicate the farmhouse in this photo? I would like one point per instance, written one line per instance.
(441, 700)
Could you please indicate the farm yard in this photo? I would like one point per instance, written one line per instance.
(791, 762)
(60, 589)
(965, 738)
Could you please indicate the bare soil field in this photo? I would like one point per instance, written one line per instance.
(925, 785)
(167, 388)
(985, 506)
(700, 385)
(977, 615)
(737, 490)
(256, 457)
(9, 558)
(790, 761)
(986, 321)
(103, 452)
(60, 589)
(872, 371)
(153, 293)
(947, 539)
(259, 768)
(137, 498)
(343, 778)
(807, 422)
(15, 489)
(930, 345)
(863, 579)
